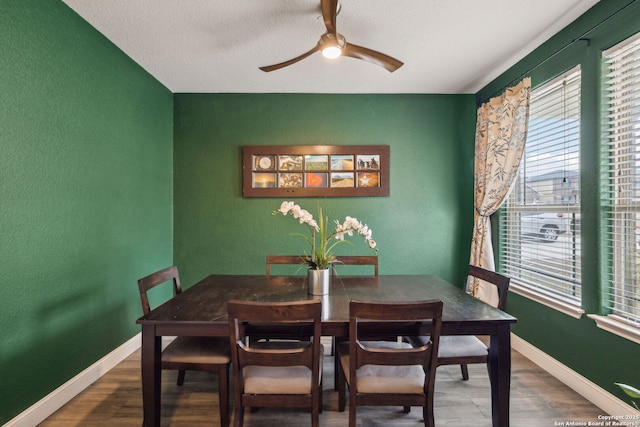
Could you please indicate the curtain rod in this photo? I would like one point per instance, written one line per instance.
(580, 38)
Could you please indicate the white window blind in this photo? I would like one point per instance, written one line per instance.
(540, 230)
(620, 196)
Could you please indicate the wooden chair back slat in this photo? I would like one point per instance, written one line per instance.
(356, 260)
(152, 280)
(282, 260)
(499, 280)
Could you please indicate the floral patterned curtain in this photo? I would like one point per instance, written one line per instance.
(501, 131)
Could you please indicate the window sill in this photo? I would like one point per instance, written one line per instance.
(617, 327)
(563, 307)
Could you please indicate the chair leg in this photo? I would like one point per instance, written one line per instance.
(352, 413)
(223, 394)
(336, 360)
(181, 377)
(238, 418)
(353, 403)
(427, 415)
(406, 409)
(238, 410)
(465, 371)
(341, 386)
(315, 413)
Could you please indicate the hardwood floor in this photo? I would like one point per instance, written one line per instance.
(537, 400)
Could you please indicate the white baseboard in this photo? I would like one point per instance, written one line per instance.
(46, 406)
(604, 400)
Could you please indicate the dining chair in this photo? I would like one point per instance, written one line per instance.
(356, 260)
(349, 260)
(464, 350)
(276, 373)
(385, 373)
(191, 353)
(283, 260)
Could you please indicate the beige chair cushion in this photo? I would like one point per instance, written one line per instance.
(210, 350)
(276, 379)
(456, 345)
(385, 379)
(461, 345)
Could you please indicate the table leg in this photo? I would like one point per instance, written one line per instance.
(500, 375)
(151, 375)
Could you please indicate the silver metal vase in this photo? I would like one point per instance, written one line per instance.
(318, 281)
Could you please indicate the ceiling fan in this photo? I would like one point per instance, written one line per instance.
(332, 45)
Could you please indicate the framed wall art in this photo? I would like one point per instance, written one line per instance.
(315, 170)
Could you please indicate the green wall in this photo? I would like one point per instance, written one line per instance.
(94, 195)
(85, 196)
(600, 356)
(424, 226)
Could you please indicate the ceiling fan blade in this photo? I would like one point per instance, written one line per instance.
(329, 12)
(274, 67)
(372, 56)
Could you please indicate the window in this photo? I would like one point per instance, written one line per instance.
(621, 180)
(540, 238)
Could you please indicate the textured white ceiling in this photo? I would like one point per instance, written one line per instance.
(216, 46)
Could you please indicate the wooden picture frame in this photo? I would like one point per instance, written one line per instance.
(315, 170)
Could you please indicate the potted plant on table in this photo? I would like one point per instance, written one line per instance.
(323, 241)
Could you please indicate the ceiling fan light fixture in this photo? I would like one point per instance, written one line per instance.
(331, 52)
(332, 45)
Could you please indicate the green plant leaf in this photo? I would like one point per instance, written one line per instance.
(631, 391)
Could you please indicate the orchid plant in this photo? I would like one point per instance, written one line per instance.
(322, 240)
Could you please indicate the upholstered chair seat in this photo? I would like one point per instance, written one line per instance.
(385, 378)
(197, 350)
(277, 380)
(461, 345)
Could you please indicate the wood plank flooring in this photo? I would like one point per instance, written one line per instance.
(537, 400)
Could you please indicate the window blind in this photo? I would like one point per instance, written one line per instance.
(540, 240)
(620, 196)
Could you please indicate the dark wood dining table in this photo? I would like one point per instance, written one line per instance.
(201, 310)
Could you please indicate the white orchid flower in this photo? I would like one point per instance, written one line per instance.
(285, 207)
(352, 223)
(295, 211)
(305, 217)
